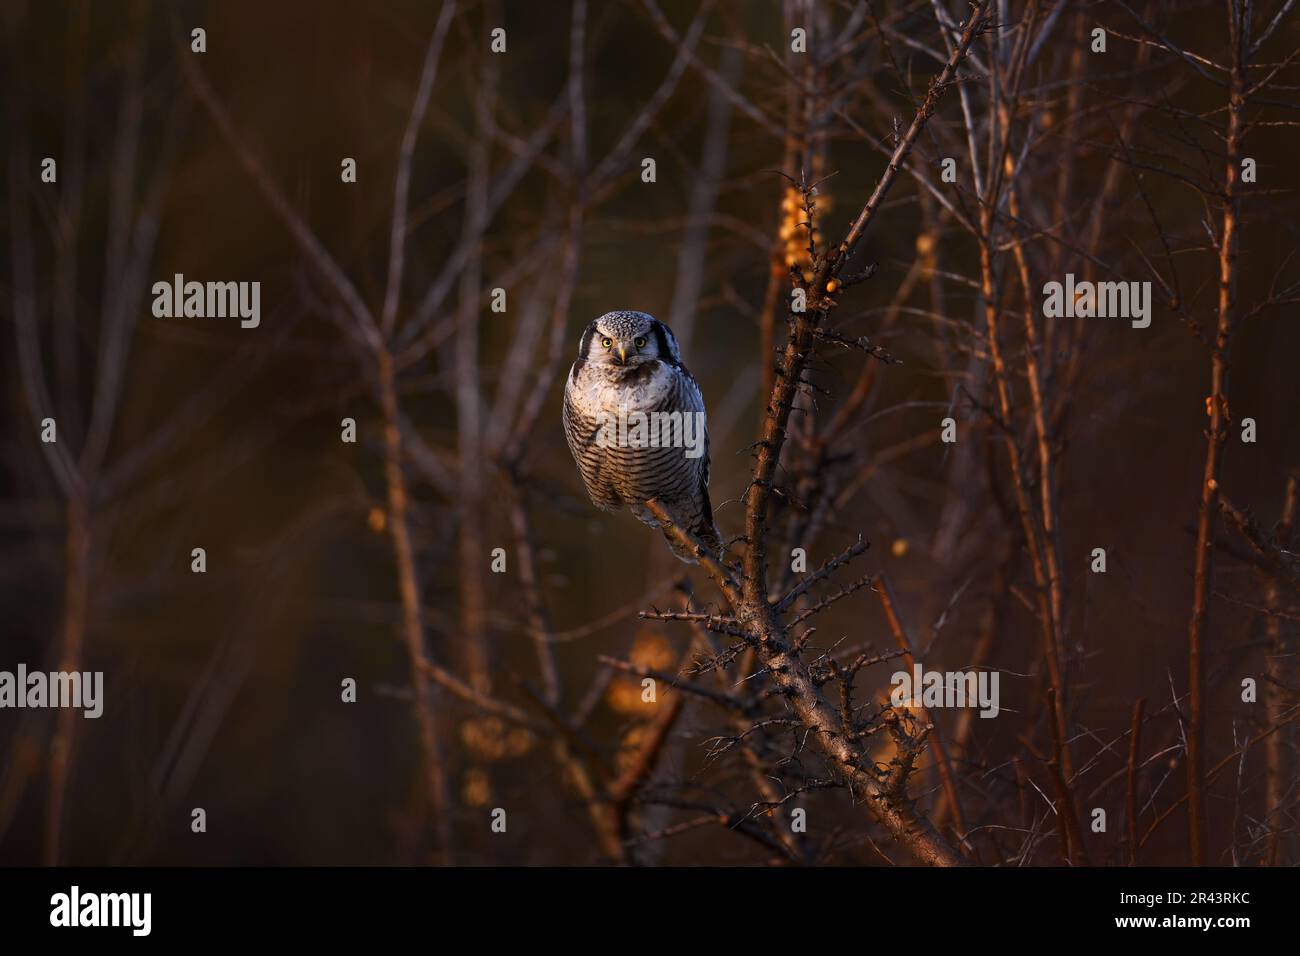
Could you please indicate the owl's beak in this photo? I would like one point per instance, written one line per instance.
(622, 355)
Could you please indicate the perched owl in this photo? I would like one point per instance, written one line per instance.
(634, 419)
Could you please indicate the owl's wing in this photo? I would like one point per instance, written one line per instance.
(702, 526)
(693, 401)
(570, 433)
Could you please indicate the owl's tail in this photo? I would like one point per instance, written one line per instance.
(704, 530)
(707, 535)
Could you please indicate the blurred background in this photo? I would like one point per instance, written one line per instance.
(223, 689)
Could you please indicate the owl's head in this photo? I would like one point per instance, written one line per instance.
(628, 339)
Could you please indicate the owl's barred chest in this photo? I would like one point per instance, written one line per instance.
(645, 389)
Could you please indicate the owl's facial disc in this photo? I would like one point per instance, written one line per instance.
(623, 339)
(624, 351)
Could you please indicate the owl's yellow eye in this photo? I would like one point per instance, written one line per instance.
(607, 342)
(639, 342)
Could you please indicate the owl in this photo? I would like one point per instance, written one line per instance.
(634, 419)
